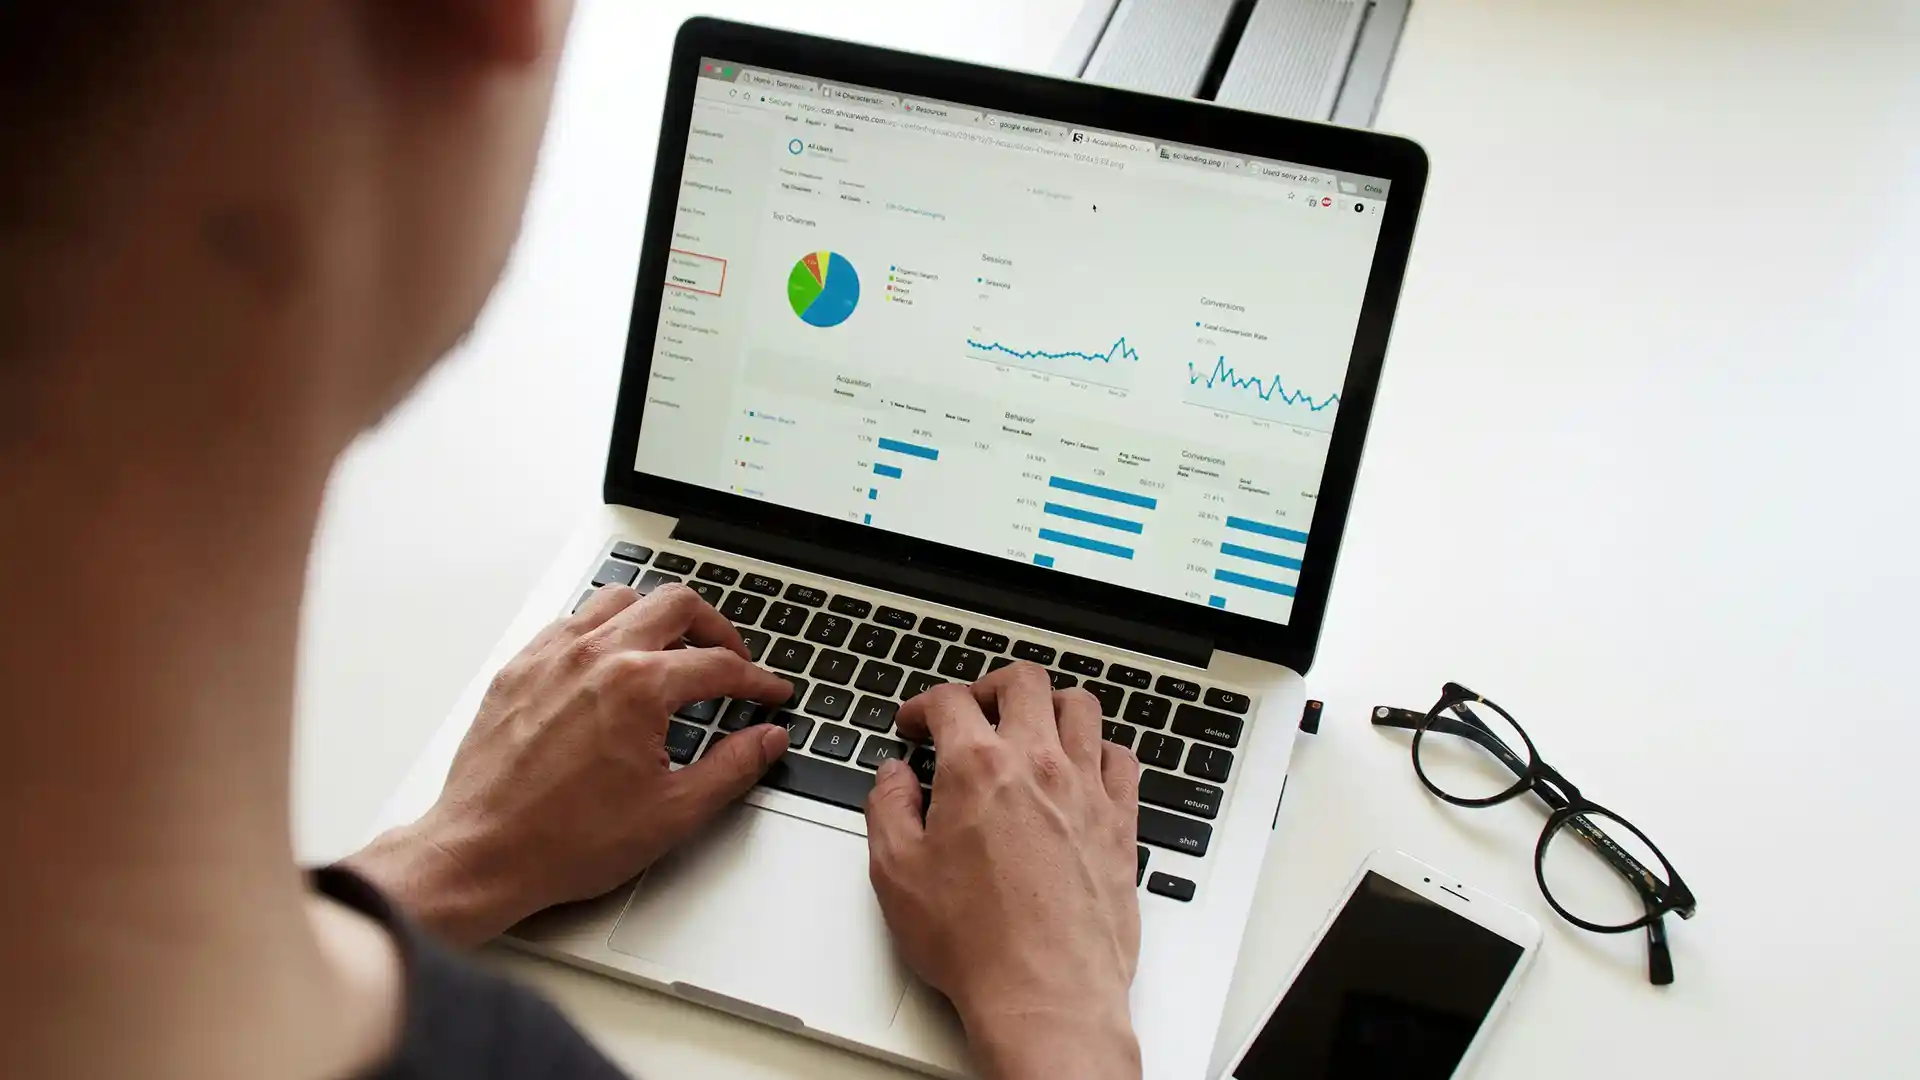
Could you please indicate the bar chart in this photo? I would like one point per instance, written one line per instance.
(1102, 531)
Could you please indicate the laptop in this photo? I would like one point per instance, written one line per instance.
(934, 368)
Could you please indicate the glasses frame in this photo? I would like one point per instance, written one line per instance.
(1567, 807)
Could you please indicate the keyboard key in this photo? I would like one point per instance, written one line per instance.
(998, 662)
(683, 741)
(1128, 676)
(1177, 888)
(835, 666)
(1173, 832)
(878, 678)
(615, 572)
(1209, 763)
(1179, 688)
(871, 640)
(831, 702)
(745, 714)
(1161, 751)
(584, 597)
(878, 749)
(988, 640)
(756, 642)
(1179, 793)
(894, 617)
(713, 594)
(1081, 665)
(919, 683)
(652, 580)
(700, 712)
(789, 655)
(1142, 872)
(940, 628)
(1147, 710)
(1116, 732)
(798, 728)
(1061, 680)
(874, 714)
(851, 606)
(917, 652)
(822, 780)
(1107, 694)
(1197, 723)
(785, 619)
(1039, 654)
(719, 575)
(829, 629)
(743, 608)
(799, 691)
(806, 594)
(924, 763)
(1228, 700)
(675, 564)
(961, 664)
(762, 584)
(713, 742)
(633, 553)
(835, 742)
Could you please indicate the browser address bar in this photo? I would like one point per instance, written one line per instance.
(944, 131)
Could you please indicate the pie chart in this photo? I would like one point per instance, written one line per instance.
(824, 288)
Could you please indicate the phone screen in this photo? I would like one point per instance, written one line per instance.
(1397, 988)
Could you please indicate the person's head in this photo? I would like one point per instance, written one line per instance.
(285, 209)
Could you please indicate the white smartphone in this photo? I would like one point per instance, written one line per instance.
(1403, 981)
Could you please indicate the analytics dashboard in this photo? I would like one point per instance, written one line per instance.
(1096, 353)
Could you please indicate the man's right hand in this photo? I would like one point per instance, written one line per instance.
(1015, 897)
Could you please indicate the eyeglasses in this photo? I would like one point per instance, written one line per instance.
(1597, 870)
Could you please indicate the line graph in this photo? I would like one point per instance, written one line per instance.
(1113, 368)
(1224, 388)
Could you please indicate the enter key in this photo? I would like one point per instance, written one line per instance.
(1180, 793)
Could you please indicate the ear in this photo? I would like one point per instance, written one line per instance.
(510, 32)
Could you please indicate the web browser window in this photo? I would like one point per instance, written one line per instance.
(1079, 349)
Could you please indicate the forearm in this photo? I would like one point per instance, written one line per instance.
(1054, 1044)
(424, 879)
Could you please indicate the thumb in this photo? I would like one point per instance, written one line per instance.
(728, 770)
(893, 815)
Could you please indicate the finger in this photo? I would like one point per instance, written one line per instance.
(1079, 720)
(727, 771)
(668, 614)
(1021, 697)
(1120, 775)
(949, 713)
(893, 815)
(698, 674)
(606, 602)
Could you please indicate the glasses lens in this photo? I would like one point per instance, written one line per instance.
(1595, 867)
(1472, 751)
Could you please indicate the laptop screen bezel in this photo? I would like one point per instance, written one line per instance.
(1397, 160)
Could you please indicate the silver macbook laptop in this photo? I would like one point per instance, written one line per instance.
(934, 368)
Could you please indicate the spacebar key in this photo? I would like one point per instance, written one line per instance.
(1173, 832)
(817, 779)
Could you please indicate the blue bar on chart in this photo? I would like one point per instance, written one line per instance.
(1260, 529)
(1257, 555)
(1217, 602)
(869, 520)
(1085, 544)
(1061, 483)
(1251, 582)
(873, 493)
(1043, 560)
(891, 472)
(1091, 518)
(910, 449)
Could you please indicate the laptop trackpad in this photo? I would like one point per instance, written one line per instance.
(773, 911)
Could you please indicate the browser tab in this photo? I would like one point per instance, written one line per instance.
(1203, 158)
(767, 80)
(1100, 140)
(1292, 174)
(1017, 125)
(936, 110)
(860, 97)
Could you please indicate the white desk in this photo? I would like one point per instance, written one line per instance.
(1642, 470)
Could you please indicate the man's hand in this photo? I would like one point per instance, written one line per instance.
(562, 790)
(1016, 896)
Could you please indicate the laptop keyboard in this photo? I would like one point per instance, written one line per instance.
(852, 661)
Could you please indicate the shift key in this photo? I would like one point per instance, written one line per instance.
(1173, 832)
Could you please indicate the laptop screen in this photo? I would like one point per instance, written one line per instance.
(1093, 352)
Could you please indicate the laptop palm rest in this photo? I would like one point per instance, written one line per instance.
(774, 913)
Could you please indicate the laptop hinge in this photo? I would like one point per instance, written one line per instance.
(945, 588)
